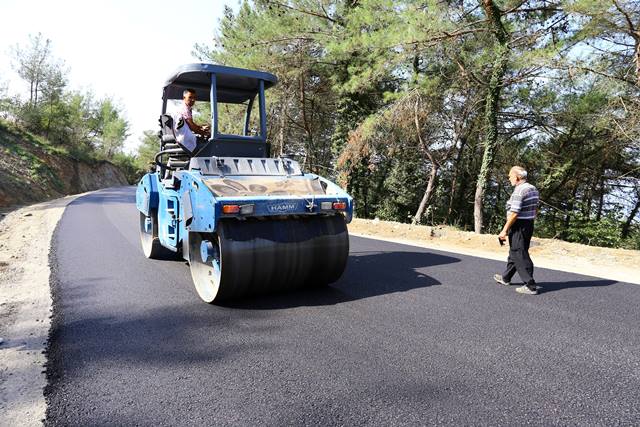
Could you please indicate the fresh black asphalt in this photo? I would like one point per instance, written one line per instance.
(408, 336)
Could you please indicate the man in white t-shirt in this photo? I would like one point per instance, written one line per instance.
(187, 131)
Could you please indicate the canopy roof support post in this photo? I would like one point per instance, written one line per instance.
(263, 112)
(213, 99)
(164, 101)
(247, 116)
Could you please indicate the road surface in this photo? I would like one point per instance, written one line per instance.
(408, 336)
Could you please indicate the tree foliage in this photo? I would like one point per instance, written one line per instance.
(421, 107)
(87, 127)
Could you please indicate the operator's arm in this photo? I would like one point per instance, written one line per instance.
(195, 128)
(510, 220)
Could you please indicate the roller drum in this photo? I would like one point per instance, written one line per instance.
(258, 256)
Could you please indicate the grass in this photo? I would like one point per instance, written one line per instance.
(18, 140)
(24, 146)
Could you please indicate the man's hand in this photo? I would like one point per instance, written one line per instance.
(511, 219)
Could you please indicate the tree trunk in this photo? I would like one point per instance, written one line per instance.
(310, 152)
(454, 179)
(600, 199)
(637, 57)
(48, 128)
(365, 192)
(491, 108)
(626, 227)
(431, 185)
(590, 190)
(281, 131)
(384, 172)
(491, 133)
(569, 212)
(635, 33)
(434, 165)
(35, 93)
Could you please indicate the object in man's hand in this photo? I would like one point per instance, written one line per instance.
(501, 241)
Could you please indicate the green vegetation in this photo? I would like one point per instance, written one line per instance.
(147, 150)
(420, 107)
(57, 120)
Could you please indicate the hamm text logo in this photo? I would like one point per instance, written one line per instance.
(282, 207)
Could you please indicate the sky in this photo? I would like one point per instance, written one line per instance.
(124, 49)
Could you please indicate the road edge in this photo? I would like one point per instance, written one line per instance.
(23, 352)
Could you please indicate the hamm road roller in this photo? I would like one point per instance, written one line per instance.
(246, 222)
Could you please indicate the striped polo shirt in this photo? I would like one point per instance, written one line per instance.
(524, 201)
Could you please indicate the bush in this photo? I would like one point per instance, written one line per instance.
(128, 166)
(605, 232)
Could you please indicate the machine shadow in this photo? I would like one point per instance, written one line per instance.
(367, 275)
(161, 339)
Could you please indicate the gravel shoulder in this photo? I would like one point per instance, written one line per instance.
(25, 296)
(25, 309)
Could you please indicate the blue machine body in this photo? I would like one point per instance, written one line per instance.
(194, 207)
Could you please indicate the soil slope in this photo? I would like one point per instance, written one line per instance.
(33, 170)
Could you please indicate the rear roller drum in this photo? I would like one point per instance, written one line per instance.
(204, 262)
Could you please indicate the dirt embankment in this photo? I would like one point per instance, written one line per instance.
(32, 170)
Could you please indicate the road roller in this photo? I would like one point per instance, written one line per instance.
(247, 223)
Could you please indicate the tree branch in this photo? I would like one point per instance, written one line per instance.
(554, 7)
(466, 72)
(609, 76)
(624, 13)
(306, 12)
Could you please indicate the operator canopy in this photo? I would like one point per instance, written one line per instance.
(234, 85)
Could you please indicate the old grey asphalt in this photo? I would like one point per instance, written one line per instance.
(408, 336)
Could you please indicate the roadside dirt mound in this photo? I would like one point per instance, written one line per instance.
(31, 170)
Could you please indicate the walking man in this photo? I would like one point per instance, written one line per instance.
(521, 212)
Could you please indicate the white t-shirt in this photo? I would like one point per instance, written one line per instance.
(184, 135)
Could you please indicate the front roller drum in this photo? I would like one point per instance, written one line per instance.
(151, 246)
(255, 256)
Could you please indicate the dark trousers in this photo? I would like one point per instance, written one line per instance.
(519, 261)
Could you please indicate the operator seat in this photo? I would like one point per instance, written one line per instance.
(178, 154)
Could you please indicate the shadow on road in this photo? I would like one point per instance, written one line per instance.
(557, 286)
(368, 274)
